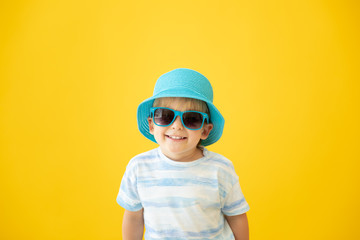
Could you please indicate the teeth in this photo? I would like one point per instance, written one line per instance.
(175, 137)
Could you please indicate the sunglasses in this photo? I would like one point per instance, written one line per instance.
(164, 117)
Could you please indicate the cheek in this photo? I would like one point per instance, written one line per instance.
(195, 136)
(158, 131)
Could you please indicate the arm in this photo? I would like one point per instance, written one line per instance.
(239, 226)
(133, 225)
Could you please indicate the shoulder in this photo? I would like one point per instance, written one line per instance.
(225, 167)
(144, 158)
(146, 155)
(220, 160)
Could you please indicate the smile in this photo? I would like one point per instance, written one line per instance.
(175, 137)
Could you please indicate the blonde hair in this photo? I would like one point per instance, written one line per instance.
(191, 103)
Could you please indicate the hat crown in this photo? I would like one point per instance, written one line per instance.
(185, 79)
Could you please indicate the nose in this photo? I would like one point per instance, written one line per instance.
(177, 124)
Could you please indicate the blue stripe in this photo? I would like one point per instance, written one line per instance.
(223, 162)
(233, 205)
(177, 234)
(127, 206)
(179, 202)
(171, 202)
(144, 182)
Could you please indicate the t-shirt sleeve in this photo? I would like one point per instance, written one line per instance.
(234, 202)
(128, 196)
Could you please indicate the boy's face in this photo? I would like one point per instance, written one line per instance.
(176, 141)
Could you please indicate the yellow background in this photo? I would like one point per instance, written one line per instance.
(285, 76)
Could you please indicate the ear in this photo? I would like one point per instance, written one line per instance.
(206, 131)
(151, 125)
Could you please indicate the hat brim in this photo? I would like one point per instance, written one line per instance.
(143, 112)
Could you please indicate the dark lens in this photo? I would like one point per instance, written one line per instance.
(192, 120)
(163, 116)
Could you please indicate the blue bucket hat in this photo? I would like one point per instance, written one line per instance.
(182, 82)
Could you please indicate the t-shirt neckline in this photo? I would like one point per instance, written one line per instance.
(183, 164)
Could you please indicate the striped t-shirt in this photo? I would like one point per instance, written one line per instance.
(182, 200)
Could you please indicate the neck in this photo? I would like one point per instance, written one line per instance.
(185, 157)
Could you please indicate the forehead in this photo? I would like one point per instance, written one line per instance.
(180, 104)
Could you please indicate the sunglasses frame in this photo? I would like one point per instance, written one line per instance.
(178, 113)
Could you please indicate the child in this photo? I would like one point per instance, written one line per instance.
(181, 190)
